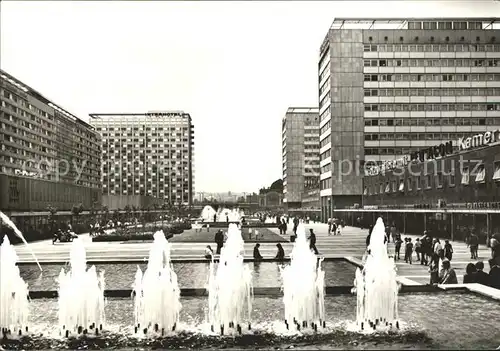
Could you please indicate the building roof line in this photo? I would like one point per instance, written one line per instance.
(397, 19)
(175, 113)
(37, 95)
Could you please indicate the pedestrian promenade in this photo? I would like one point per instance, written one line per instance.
(351, 243)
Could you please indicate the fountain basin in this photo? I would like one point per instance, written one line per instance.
(190, 275)
(463, 322)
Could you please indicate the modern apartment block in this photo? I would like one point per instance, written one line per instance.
(47, 155)
(391, 87)
(300, 157)
(147, 155)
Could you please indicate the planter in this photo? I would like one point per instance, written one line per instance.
(246, 225)
(131, 237)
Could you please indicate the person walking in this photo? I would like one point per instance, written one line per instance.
(329, 225)
(448, 250)
(397, 246)
(418, 249)
(473, 245)
(334, 227)
(409, 251)
(312, 242)
(219, 241)
(295, 225)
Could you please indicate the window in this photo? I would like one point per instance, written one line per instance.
(387, 187)
(428, 181)
(481, 173)
(409, 184)
(465, 176)
(439, 180)
(401, 185)
(418, 183)
(381, 188)
(496, 174)
(451, 182)
(365, 192)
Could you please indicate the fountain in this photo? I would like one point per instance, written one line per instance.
(207, 214)
(80, 295)
(230, 286)
(376, 286)
(233, 215)
(156, 292)
(303, 286)
(14, 303)
(6, 219)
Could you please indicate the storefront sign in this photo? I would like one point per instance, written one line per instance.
(373, 207)
(479, 140)
(24, 173)
(433, 152)
(387, 166)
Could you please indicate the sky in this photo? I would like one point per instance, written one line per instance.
(234, 66)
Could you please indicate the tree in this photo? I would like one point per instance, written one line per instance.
(52, 216)
(116, 215)
(105, 210)
(75, 212)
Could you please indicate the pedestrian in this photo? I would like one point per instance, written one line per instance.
(434, 269)
(256, 253)
(494, 275)
(436, 245)
(495, 246)
(481, 276)
(473, 245)
(312, 242)
(219, 241)
(470, 274)
(397, 246)
(334, 227)
(408, 251)
(280, 255)
(295, 225)
(418, 246)
(448, 250)
(208, 252)
(449, 275)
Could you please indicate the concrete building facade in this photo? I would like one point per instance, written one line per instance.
(300, 157)
(48, 156)
(390, 87)
(147, 154)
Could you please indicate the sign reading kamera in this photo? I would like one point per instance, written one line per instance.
(478, 140)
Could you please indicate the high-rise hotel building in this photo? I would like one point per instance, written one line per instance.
(147, 154)
(48, 156)
(300, 157)
(391, 87)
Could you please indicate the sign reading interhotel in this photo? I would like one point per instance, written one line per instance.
(479, 140)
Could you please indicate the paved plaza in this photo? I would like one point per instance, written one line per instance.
(350, 244)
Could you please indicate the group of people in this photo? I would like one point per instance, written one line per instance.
(335, 226)
(474, 273)
(221, 237)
